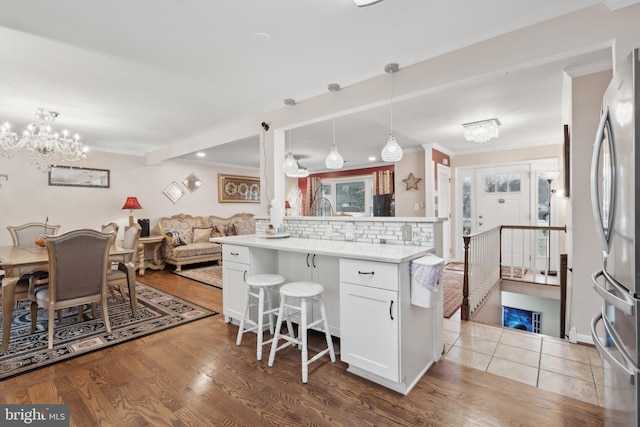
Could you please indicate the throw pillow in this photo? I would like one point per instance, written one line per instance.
(201, 235)
(230, 230)
(216, 232)
(175, 237)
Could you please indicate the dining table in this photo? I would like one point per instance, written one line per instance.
(19, 260)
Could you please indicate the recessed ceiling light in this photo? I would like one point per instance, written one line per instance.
(372, 159)
(261, 37)
(363, 3)
(200, 154)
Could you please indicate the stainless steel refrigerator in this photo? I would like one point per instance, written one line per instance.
(615, 198)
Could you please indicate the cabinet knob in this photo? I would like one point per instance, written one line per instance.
(367, 272)
(391, 310)
(234, 253)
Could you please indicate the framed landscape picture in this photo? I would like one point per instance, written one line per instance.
(238, 189)
(67, 176)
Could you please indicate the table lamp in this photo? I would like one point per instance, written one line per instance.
(131, 203)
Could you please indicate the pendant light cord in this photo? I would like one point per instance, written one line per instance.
(391, 103)
(333, 99)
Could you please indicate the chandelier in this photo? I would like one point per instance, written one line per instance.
(44, 146)
(481, 131)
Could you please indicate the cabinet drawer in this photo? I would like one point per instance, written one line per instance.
(369, 273)
(236, 253)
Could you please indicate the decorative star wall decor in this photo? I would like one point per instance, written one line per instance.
(412, 182)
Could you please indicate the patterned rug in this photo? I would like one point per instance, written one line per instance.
(157, 311)
(452, 287)
(209, 275)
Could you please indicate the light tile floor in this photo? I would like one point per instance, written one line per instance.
(545, 362)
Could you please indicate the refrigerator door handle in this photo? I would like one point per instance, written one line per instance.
(604, 230)
(625, 305)
(629, 373)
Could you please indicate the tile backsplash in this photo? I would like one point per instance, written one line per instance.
(389, 230)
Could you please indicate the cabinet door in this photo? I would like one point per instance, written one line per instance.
(234, 289)
(369, 328)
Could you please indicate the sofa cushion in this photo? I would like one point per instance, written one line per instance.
(201, 235)
(195, 249)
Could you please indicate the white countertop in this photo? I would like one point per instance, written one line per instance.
(342, 249)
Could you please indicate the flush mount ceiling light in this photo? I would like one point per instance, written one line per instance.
(290, 166)
(391, 152)
(363, 3)
(334, 160)
(481, 131)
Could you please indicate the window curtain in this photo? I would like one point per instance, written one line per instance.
(313, 184)
(383, 182)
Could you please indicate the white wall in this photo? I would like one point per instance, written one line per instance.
(27, 197)
(584, 250)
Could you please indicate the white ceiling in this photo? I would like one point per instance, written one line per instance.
(134, 77)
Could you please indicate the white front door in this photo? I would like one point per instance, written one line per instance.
(444, 209)
(503, 199)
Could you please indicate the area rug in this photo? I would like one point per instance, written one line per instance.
(209, 275)
(516, 273)
(452, 287)
(157, 311)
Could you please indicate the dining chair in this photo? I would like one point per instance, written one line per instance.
(25, 236)
(122, 275)
(111, 227)
(78, 265)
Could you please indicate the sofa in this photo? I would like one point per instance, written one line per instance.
(186, 237)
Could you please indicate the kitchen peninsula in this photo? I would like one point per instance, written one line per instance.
(383, 337)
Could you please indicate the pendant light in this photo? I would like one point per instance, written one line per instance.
(290, 166)
(391, 152)
(334, 160)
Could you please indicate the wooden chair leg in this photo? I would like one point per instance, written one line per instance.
(122, 291)
(34, 315)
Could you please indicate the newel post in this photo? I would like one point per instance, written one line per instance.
(465, 312)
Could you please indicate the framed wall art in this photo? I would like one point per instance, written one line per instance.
(68, 176)
(238, 189)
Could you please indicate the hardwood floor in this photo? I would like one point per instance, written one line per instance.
(195, 375)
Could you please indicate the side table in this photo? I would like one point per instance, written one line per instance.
(156, 263)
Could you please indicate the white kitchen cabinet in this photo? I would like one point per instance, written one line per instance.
(238, 263)
(310, 267)
(369, 312)
(370, 329)
(384, 337)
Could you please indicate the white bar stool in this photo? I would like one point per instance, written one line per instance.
(256, 289)
(308, 292)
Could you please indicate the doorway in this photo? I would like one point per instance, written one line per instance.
(501, 194)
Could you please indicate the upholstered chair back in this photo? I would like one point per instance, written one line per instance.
(130, 241)
(27, 234)
(78, 263)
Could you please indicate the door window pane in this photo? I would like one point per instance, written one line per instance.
(466, 206)
(489, 184)
(501, 183)
(514, 182)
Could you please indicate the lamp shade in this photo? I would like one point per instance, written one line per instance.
(132, 203)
